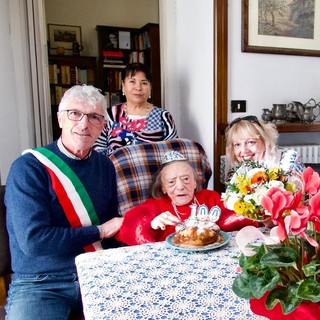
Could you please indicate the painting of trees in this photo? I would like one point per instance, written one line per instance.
(286, 18)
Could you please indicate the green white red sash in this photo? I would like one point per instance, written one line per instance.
(70, 191)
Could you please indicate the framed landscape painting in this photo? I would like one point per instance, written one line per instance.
(281, 27)
(63, 36)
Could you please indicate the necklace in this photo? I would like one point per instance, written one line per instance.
(194, 205)
(135, 125)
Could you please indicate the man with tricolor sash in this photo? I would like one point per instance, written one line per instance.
(61, 201)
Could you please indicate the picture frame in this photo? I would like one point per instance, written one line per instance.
(61, 35)
(111, 40)
(124, 40)
(287, 30)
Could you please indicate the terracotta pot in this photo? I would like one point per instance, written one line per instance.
(305, 311)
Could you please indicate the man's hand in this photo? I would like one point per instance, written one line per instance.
(109, 228)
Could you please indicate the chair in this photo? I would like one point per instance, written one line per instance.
(136, 164)
(5, 258)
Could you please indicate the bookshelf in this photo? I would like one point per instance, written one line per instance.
(64, 72)
(119, 46)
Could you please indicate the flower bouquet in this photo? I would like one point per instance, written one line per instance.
(250, 183)
(283, 267)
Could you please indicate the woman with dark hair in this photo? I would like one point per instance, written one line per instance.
(136, 120)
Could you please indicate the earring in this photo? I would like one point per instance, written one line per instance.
(150, 96)
(123, 93)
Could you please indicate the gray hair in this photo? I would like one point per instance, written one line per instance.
(156, 188)
(86, 95)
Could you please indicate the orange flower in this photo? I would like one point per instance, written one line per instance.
(259, 177)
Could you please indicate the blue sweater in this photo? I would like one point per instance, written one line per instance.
(41, 239)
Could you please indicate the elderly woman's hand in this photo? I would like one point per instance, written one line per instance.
(164, 219)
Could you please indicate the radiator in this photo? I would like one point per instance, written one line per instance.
(310, 153)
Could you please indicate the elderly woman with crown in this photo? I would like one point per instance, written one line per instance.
(176, 196)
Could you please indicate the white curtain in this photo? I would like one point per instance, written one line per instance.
(39, 71)
(29, 47)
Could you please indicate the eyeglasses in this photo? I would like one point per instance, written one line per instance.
(252, 119)
(93, 118)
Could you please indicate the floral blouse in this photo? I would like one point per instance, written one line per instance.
(120, 130)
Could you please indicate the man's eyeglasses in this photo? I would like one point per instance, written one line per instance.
(252, 119)
(93, 118)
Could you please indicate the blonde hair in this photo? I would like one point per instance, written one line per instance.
(267, 132)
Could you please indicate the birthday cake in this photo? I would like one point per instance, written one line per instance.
(195, 233)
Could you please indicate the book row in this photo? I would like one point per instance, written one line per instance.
(70, 75)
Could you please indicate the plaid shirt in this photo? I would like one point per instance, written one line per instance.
(136, 164)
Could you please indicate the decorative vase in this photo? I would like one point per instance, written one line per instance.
(305, 311)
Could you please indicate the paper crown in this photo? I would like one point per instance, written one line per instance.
(171, 156)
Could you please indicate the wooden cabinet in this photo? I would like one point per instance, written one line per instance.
(64, 72)
(119, 46)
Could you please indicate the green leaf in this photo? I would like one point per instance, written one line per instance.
(281, 257)
(286, 297)
(311, 268)
(309, 289)
(241, 286)
(243, 260)
(264, 282)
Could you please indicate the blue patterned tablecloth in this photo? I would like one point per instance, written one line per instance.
(156, 281)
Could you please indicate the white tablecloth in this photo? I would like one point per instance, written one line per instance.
(156, 281)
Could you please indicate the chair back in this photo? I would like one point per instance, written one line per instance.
(5, 258)
(136, 165)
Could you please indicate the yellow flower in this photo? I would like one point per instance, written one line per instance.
(274, 173)
(244, 185)
(239, 207)
(290, 187)
(250, 207)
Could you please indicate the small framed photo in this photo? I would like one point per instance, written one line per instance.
(61, 35)
(124, 40)
(111, 40)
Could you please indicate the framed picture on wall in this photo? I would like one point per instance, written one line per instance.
(285, 27)
(61, 35)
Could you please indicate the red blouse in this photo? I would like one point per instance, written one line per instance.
(136, 228)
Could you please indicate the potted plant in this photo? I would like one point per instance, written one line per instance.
(280, 272)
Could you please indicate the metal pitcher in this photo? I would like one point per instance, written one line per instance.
(308, 112)
(279, 112)
(293, 111)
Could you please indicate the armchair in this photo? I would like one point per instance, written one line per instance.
(136, 164)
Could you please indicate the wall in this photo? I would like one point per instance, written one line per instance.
(90, 13)
(261, 79)
(187, 62)
(265, 79)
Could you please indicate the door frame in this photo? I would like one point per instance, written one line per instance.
(220, 108)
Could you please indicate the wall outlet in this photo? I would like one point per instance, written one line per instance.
(238, 105)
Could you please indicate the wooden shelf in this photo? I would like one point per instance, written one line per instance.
(71, 67)
(299, 127)
(287, 127)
